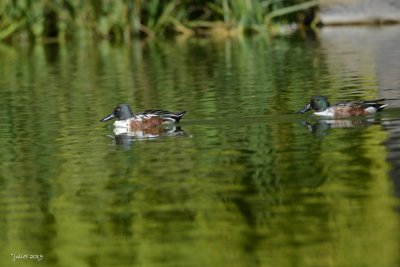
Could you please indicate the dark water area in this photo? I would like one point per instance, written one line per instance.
(243, 181)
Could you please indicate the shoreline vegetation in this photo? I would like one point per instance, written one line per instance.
(121, 20)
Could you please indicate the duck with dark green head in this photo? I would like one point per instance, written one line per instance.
(322, 107)
(125, 118)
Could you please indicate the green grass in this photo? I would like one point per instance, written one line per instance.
(122, 19)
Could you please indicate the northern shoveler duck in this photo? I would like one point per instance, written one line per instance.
(342, 109)
(141, 120)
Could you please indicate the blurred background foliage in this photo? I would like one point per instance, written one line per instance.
(122, 19)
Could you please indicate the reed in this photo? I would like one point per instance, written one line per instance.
(122, 19)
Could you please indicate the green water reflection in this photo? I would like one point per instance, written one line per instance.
(249, 184)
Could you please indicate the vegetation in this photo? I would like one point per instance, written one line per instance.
(122, 19)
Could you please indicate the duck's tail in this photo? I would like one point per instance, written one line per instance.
(177, 116)
(379, 108)
(374, 105)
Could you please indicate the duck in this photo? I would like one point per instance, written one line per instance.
(135, 121)
(322, 107)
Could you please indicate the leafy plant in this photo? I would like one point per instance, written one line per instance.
(121, 19)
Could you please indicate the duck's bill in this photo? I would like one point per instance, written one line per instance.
(305, 109)
(108, 117)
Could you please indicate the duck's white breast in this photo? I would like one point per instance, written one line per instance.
(327, 112)
(122, 124)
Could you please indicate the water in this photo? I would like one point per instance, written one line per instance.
(245, 182)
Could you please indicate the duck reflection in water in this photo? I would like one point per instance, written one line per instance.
(322, 127)
(123, 137)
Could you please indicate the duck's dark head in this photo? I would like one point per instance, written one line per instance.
(317, 103)
(121, 112)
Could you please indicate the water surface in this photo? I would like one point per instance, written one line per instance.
(245, 182)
